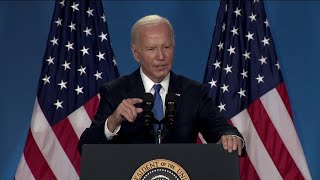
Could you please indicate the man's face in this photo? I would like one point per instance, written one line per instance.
(154, 50)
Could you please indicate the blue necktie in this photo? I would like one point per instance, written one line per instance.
(158, 106)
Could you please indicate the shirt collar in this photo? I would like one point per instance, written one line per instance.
(148, 83)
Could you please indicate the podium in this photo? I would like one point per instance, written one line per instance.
(158, 161)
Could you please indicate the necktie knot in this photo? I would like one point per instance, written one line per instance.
(157, 88)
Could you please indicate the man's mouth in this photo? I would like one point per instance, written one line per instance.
(161, 66)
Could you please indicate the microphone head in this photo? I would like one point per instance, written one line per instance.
(170, 98)
(148, 100)
(170, 109)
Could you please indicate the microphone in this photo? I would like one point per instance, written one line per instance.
(147, 109)
(170, 109)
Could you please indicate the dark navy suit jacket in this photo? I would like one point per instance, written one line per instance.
(195, 112)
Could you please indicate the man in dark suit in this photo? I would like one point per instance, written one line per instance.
(119, 116)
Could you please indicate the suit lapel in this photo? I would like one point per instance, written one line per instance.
(135, 87)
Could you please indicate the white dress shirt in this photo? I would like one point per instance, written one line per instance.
(148, 86)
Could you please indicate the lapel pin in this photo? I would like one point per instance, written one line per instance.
(177, 94)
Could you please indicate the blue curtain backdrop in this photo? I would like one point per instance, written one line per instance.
(24, 28)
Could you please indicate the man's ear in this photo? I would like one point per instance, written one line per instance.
(135, 52)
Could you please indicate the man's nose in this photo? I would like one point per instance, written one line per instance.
(160, 54)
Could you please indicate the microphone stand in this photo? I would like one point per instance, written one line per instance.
(160, 131)
(159, 134)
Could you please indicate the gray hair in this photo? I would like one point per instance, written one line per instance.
(149, 20)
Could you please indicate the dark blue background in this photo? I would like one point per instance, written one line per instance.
(24, 28)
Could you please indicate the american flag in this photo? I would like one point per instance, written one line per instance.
(78, 59)
(245, 81)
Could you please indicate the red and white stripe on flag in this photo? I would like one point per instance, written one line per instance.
(273, 147)
(246, 84)
(77, 61)
(51, 152)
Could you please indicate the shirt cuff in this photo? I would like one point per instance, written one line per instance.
(108, 133)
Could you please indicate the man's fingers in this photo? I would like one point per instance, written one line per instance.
(230, 143)
(128, 110)
(139, 110)
(224, 142)
(234, 143)
(239, 146)
(123, 111)
(134, 100)
(227, 143)
(129, 103)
